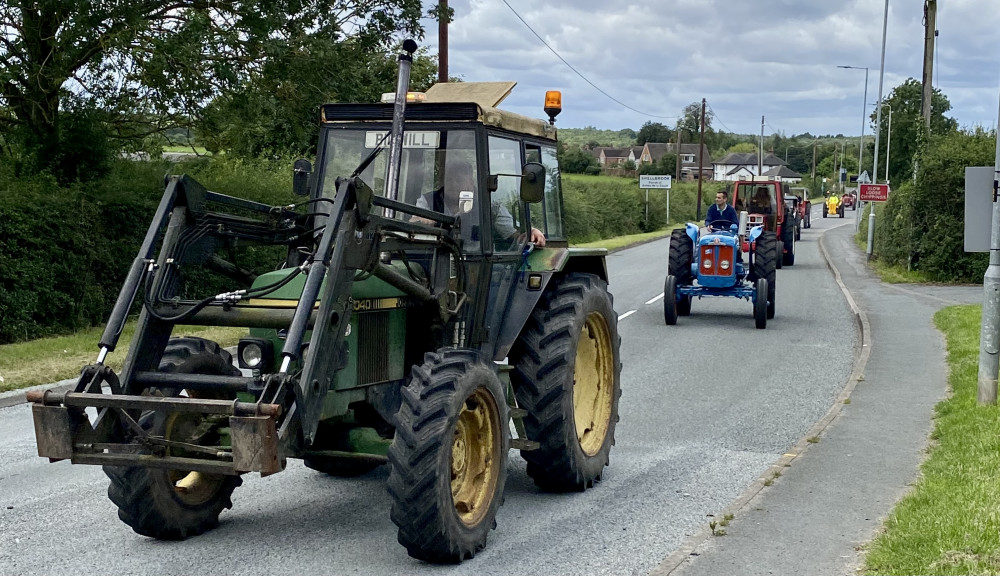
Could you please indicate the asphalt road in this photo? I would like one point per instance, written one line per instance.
(707, 406)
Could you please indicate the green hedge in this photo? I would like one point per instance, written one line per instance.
(921, 227)
(65, 250)
(599, 207)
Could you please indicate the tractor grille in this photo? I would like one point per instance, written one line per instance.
(713, 255)
(373, 348)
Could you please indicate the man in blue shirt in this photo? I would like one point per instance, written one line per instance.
(721, 211)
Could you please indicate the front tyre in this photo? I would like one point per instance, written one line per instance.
(175, 504)
(670, 300)
(760, 304)
(448, 461)
(567, 376)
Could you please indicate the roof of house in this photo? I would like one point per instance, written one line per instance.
(739, 169)
(783, 171)
(613, 152)
(749, 159)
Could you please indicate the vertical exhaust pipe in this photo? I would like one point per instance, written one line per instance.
(398, 115)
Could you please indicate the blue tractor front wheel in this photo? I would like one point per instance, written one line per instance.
(670, 300)
(760, 304)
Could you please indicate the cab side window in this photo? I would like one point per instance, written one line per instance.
(505, 202)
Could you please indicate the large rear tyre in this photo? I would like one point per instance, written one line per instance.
(681, 256)
(175, 504)
(448, 461)
(567, 375)
(765, 263)
(788, 256)
(760, 304)
(670, 300)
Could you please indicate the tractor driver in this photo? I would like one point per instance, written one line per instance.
(761, 201)
(721, 210)
(456, 197)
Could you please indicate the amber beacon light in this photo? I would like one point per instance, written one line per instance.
(553, 104)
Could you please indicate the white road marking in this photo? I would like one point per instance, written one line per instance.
(655, 299)
(626, 315)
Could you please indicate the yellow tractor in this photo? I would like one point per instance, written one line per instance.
(832, 206)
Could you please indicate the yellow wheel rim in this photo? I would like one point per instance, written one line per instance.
(593, 384)
(475, 461)
(192, 488)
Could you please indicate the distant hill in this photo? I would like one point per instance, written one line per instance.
(579, 136)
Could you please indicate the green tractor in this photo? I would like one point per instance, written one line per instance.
(406, 324)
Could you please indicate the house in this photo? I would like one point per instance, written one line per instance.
(744, 166)
(635, 154)
(654, 151)
(608, 157)
(784, 174)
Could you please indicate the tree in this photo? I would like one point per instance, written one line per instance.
(152, 65)
(652, 132)
(742, 148)
(690, 123)
(908, 127)
(277, 112)
(574, 160)
(667, 164)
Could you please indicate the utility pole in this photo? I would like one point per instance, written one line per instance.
(813, 173)
(760, 151)
(930, 25)
(701, 155)
(444, 17)
(989, 335)
(677, 152)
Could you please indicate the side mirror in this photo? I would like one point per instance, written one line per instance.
(533, 182)
(301, 170)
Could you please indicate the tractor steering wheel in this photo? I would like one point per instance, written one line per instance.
(724, 225)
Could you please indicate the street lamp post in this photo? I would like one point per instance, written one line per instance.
(861, 145)
(878, 128)
(888, 143)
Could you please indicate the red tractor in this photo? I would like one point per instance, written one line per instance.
(764, 201)
(850, 199)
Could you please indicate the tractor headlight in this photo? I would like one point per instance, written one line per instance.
(706, 264)
(255, 354)
(724, 264)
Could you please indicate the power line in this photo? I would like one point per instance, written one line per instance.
(716, 116)
(578, 73)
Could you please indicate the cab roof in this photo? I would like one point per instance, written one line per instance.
(449, 102)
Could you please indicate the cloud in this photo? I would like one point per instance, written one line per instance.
(776, 58)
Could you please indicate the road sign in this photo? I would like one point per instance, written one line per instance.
(654, 181)
(864, 178)
(873, 192)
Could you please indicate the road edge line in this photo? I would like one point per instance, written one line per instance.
(684, 552)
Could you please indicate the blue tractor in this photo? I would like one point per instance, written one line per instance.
(727, 260)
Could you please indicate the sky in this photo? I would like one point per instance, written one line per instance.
(771, 58)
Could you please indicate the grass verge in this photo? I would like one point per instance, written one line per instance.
(948, 523)
(52, 359)
(629, 240)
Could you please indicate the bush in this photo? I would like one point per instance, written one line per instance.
(65, 250)
(922, 225)
(598, 207)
